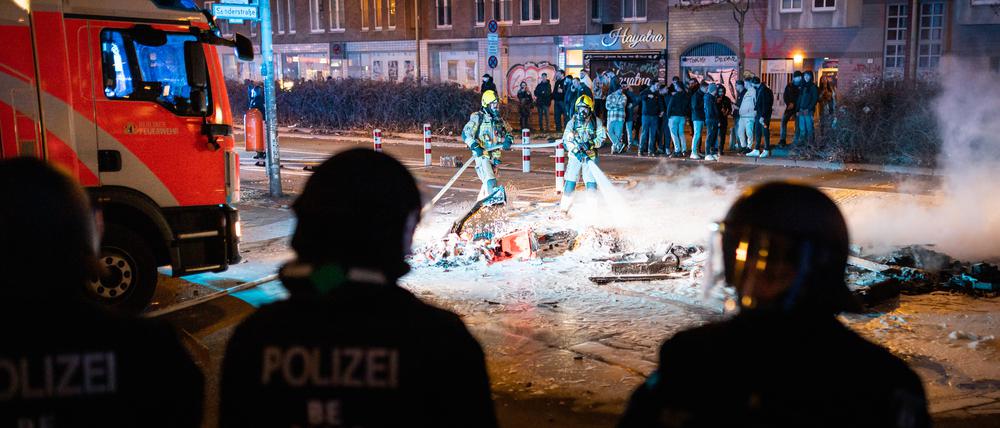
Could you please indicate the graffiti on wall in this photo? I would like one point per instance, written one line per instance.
(529, 72)
(725, 77)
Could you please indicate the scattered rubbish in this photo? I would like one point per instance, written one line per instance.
(916, 270)
(451, 161)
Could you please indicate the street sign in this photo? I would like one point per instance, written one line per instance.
(492, 62)
(492, 26)
(235, 11)
(236, 21)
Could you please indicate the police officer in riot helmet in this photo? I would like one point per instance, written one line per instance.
(65, 362)
(350, 347)
(783, 358)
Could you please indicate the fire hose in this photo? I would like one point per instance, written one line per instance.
(465, 166)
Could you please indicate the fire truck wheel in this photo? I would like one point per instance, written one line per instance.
(129, 277)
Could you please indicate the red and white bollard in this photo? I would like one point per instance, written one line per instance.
(427, 144)
(377, 137)
(525, 151)
(560, 168)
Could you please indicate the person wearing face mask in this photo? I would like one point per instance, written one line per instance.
(488, 84)
(651, 111)
(781, 358)
(524, 103)
(762, 120)
(559, 100)
(584, 134)
(678, 110)
(350, 347)
(484, 134)
(748, 113)
(791, 99)
(808, 97)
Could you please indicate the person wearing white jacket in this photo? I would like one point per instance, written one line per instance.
(747, 113)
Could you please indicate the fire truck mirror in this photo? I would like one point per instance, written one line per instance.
(197, 66)
(244, 48)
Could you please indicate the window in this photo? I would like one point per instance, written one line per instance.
(501, 11)
(896, 24)
(480, 12)
(281, 16)
(337, 15)
(378, 14)
(364, 15)
(553, 11)
(315, 19)
(138, 72)
(931, 32)
(453, 70)
(531, 11)
(443, 13)
(291, 16)
(822, 5)
(633, 10)
(391, 22)
(791, 5)
(595, 10)
(985, 2)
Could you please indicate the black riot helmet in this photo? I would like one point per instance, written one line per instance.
(358, 210)
(48, 235)
(783, 247)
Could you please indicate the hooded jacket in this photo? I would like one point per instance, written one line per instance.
(488, 85)
(808, 94)
(765, 102)
(680, 104)
(698, 106)
(748, 104)
(711, 105)
(543, 93)
(651, 102)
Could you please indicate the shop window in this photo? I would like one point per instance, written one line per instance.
(453, 70)
(595, 10)
(336, 15)
(531, 11)
(392, 15)
(315, 18)
(443, 13)
(824, 5)
(501, 11)
(633, 10)
(158, 73)
(896, 31)
(574, 62)
(554, 11)
(290, 4)
(791, 6)
(378, 14)
(364, 15)
(470, 71)
(931, 32)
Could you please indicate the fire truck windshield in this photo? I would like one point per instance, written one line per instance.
(150, 72)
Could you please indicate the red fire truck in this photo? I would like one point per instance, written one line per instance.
(129, 97)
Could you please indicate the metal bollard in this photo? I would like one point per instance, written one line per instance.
(377, 136)
(526, 151)
(560, 168)
(427, 144)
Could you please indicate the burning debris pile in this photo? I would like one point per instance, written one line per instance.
(918, 270)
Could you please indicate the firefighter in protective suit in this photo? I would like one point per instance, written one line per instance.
(485, 134)
(783, 359)
(584, 134)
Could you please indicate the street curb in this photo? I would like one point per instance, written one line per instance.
(727, 159)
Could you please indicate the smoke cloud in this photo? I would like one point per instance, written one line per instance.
(963, 218)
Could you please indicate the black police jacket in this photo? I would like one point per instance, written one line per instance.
(777, 370)
(64, 363)
(359, 355)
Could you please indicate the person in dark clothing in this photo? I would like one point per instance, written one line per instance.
(725, 112)
(350, 347)
(633, 114)
(651, 104)
(808, 97)
(64, 361)
(784, 359)
(543, 97)
(488, 84)
(678, 110)
(663, 139)
(524, 103)
(791, 99)
(734, 138)
(712, 115)
(572, 93)
(559, 100)
(762, 121)
(697, 115)
(255, 100)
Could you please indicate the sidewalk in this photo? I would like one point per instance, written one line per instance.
(778, 158)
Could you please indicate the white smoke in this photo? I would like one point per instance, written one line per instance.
(963, 218)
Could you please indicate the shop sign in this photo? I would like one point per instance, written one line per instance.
(710, 61)
(645, 36)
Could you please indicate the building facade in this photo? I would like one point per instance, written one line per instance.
(645, 40)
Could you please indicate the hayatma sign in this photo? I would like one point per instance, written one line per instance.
(644, 36)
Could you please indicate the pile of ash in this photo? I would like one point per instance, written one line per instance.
(915, 270)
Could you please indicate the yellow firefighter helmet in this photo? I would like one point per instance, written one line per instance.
(489, 97)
